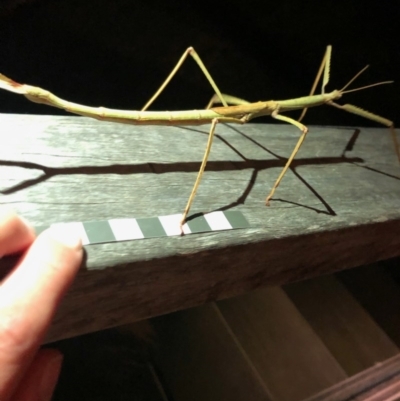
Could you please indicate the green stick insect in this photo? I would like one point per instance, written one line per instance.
(233, 110)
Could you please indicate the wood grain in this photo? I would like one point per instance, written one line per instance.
(337, 208)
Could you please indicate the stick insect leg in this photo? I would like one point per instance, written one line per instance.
(374, 117)
(214, 123)
(189, 51)
(228, 99)
(304, 131)
(325, 68)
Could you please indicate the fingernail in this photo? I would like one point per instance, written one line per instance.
(27, 223)
(50, 376)
(66, 236)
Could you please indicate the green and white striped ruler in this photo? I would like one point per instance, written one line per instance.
(127, 229)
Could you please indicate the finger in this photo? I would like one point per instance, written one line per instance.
(15, 233)
(29, 297)
(40, 380)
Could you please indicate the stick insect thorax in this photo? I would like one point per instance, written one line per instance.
(309, 101)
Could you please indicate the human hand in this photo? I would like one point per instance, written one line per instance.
(29, 296)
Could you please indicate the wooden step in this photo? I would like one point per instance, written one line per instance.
(281, 344)
(201, 361)
(377, 291)
(246, 348)
(348, 331)
(379, 383)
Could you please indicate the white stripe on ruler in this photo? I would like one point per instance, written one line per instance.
(217, 221)
(171, 224)
(75, 227)
(125, 229)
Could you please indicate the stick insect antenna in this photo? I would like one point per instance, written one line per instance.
(354, 78)
(368, 86)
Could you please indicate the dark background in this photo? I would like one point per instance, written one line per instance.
(116, 53)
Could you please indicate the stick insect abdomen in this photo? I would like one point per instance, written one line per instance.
(186, 117)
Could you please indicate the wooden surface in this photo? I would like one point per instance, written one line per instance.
(338, 208)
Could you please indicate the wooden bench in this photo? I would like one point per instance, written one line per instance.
(337, 208)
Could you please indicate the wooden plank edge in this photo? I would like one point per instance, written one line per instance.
(159, 286)
(376, 383)
(120, 292)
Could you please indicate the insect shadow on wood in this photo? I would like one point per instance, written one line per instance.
(281, 161)
(351, 142)
(162, 168)
(350, 146)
